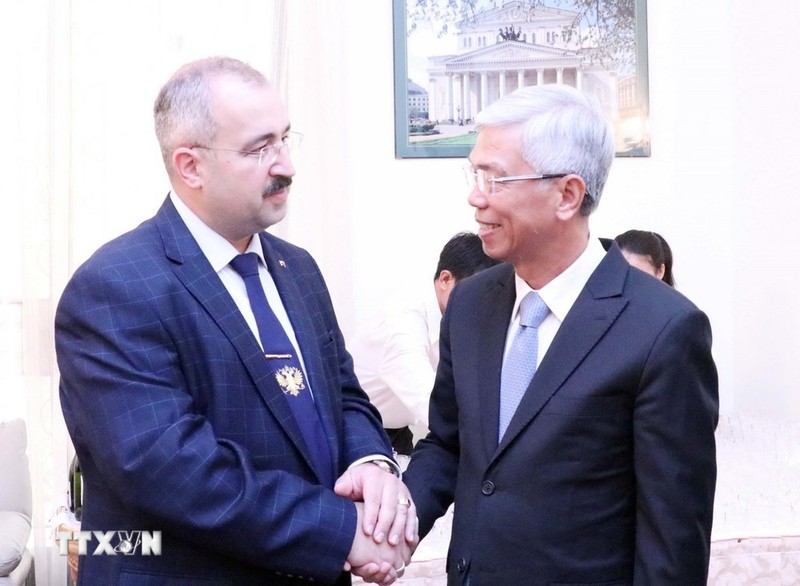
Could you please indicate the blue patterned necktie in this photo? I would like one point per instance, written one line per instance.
(285, 365)
(520, 363)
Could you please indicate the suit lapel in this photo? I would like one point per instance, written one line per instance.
(594, 311)
(495, 306)
(194, 271)
(304, 331)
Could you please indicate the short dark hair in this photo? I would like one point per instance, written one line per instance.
(463, 256)
(650, 244)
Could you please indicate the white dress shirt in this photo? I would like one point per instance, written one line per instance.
(396, 355)
(559, 295)
(219, 253)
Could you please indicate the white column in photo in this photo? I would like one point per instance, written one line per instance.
(484, 90)
(467, 96)
(450, 96)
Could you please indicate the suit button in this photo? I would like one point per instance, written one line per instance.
(487, 487)
(462, 565)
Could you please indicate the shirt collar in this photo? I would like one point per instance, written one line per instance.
(560, 293)
(217, 250)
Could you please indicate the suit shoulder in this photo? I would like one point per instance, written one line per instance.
(284, 248)
(644, 287)
(486, 291)
(497, 275)
(135, 247)
(654, 302)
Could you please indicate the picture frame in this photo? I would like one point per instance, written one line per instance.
(453, 58)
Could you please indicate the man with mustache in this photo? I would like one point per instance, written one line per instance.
(204, 378)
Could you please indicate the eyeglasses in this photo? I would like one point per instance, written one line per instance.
(486, 183)
(268, 154)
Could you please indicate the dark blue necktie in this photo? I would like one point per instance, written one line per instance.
(284, 363)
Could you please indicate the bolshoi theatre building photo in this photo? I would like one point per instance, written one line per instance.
(517, 45)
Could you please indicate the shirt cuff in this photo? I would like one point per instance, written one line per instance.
(378, 458)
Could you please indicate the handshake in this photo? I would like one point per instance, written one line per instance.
(387, 532)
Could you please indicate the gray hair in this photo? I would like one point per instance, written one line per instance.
(563, 131)
(182, 111)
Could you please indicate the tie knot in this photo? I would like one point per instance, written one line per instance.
(245, 264)
(532, 310)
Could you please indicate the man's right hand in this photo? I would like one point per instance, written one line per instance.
(381, 563)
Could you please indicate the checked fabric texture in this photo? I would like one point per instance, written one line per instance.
(284, 362)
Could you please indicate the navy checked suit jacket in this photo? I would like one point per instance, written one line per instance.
(179, 429)
(606, 473)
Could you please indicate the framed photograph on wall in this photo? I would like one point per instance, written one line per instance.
(453, 57)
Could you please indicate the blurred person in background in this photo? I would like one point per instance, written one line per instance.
(649, 252)
(397, 352)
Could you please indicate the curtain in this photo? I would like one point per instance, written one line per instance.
(80, 166)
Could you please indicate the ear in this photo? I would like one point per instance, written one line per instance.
(572, 193)
(445, 280)
(185, 166)
(443, 285)
(660, 271)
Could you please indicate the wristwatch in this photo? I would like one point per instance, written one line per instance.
(384, 465)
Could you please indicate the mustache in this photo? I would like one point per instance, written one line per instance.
(277, 185)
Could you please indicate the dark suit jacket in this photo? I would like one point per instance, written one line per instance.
(179, 428)
(607, 471)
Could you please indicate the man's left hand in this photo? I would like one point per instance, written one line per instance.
(388, 508)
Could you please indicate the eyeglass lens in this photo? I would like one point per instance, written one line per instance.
(269, 154)
(477, 178)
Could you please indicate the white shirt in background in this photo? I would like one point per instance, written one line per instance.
(396, 354)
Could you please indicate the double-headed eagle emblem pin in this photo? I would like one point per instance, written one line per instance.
(290, 379)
